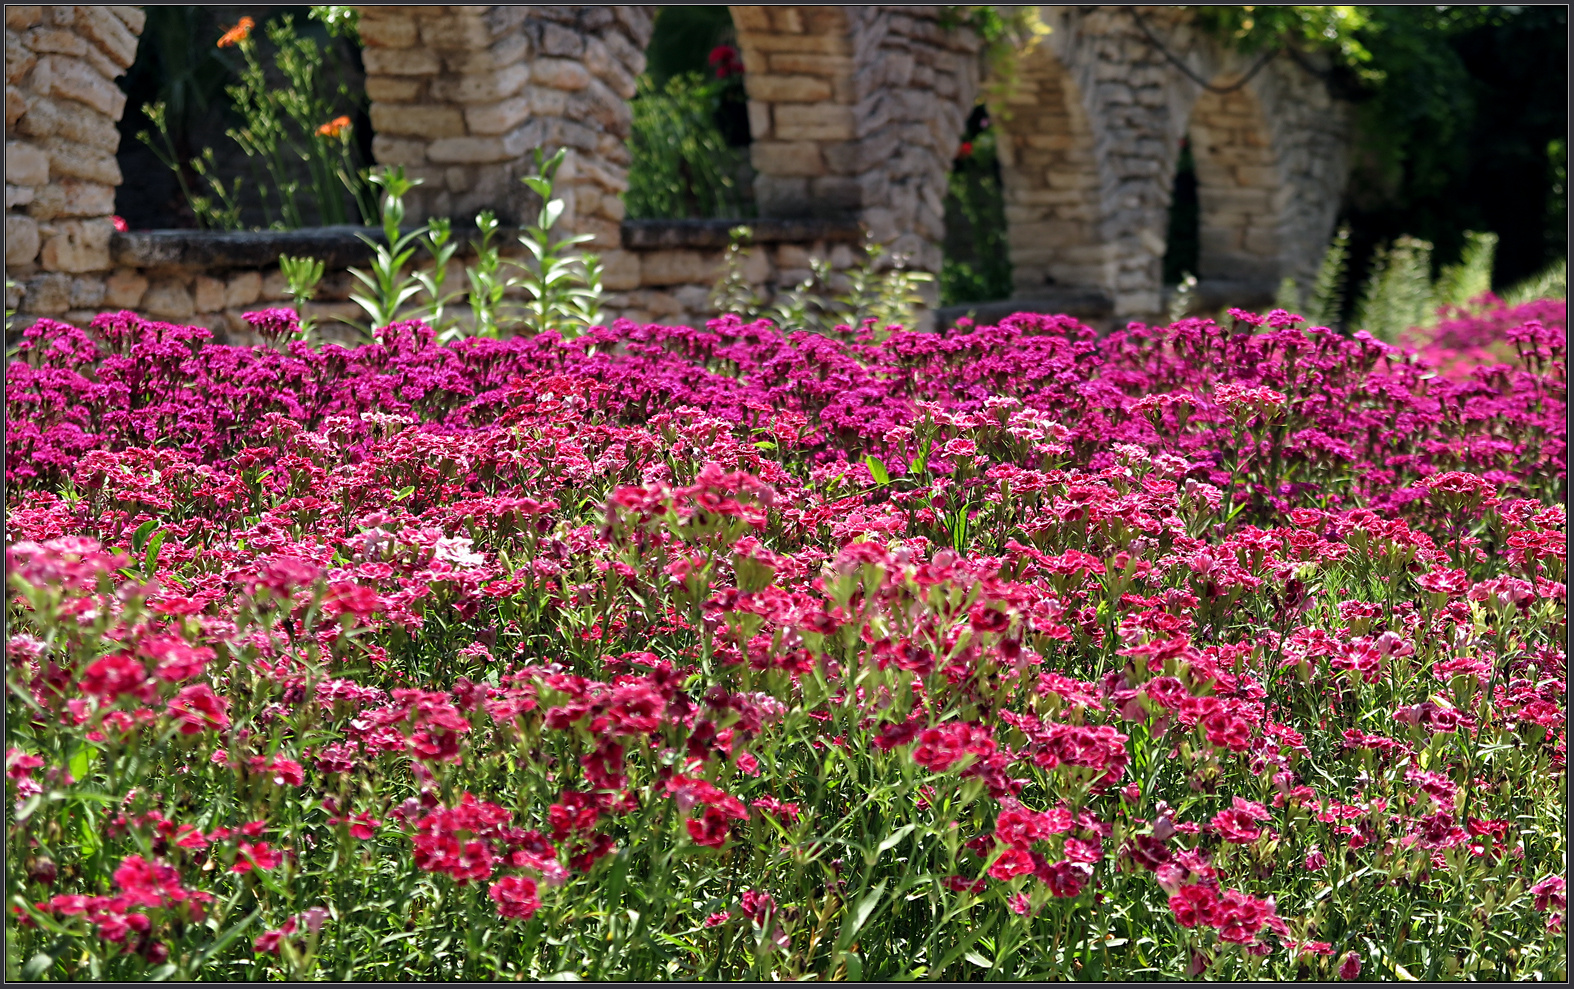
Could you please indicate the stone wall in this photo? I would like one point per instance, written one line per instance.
(1091, 141)
(61, 108)
(461, 95)
(858, 112)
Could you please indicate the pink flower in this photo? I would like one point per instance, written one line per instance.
(1350, 968)
(200, 709)
(515, 897)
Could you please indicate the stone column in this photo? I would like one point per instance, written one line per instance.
(461, 95)
(61, 110)
(857, 112)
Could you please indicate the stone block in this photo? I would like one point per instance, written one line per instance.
(17, 195)
(808, 63)
(620, 270)
(836, 192)
(25, 164)
(208, 294)
(124, 289)
(383, 27)
(76, 246)
(20, 17)
(87, 293)
(760, 120)
(112, 36)
(168, 299)
(392, 89)
(131, 17)
(54, 41)
(87, 126)
(426, 120)
(559, 74)
(811, 44)
(74, 79)
(468, 150)
(789, 89)
(275, 287)
(462, 32)
(498, 118)
(47, 295)
(21, 239)
(70, 159)
(400, 62)
(814, 122)
(481, 87)
(678, 267)
(398, 151)
(787, 158)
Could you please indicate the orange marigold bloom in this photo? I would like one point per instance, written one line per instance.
(240, 32)
(334, 127)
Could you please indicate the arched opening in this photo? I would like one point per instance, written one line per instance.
(1181, 245)
(977, 263)
(1050, 180)
(690, 137)
(1237, 187)
(174, 179)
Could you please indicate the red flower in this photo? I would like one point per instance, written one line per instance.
(515, 896)
(727, 61)
(199, 708)
(120, 223)
(966, 150)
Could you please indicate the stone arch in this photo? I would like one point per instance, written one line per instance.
(1050, 178)
(460, 96)
(1239, 189)
(857, 112)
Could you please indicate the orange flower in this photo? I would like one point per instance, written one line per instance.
(334, 127)
(240, 32)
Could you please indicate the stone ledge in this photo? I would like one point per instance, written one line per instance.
(336, 247)
(647, 235)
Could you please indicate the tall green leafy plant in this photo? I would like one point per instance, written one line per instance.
(563, 287)
(388, 286)
(682, 166)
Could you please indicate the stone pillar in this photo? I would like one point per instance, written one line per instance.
(858, 112)
(1237, 188)
(61, 110)
(461, 95)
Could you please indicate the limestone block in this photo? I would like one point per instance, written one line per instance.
(85, 198)
(47, 295)
(613, 208)
(400, 61)
(559, 74)
(676, 267)
(387, 89)
(74, 79)
(21, 239)
(398, 151)
(131, 17)
(425, 120)
(829, 66)
(16, 195)
(760, 120)
(620, 270)
(25, 164)
(838, 192)
(19, 17)
(814, 122)
(468, 150)
(87, 293)
(790, 89)
(168, 299)
(694, 298)
(124, 289)
(498, 118)
(482, 87)
(382, 27)
(208, 294)
(462, 32)
(84, 125)
(54, 40)
(112, 35)
(68, 158)
(787, 158)
(275, 286)
(77, 245)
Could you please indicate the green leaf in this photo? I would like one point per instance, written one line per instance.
(877, 469)
(979, 960)
(81, 762)
(140, 537)
(150, 562)
(404, 493)
(37, 966)
(860, 915)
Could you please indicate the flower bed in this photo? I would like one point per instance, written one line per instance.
(664, 653)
